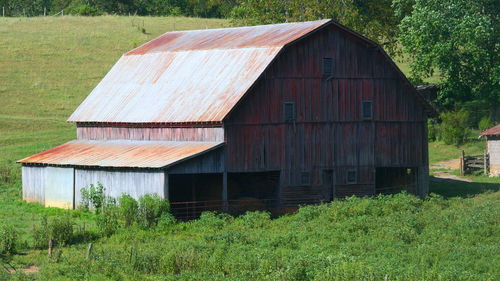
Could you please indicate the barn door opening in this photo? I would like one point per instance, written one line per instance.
(390, 180)
(192, 194)
(253, 191)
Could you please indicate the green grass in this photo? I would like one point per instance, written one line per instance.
(49, 65)
(439, 151)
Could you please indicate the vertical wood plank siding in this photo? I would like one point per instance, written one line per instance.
(329, 132)
(157, 134)
(210, 162)
(34, 184)
(117, 181)
(494, 152)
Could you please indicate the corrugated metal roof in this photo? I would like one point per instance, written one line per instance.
(492, 131)
(120, 153)
(188, 76)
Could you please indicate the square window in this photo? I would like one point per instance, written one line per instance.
(367, 109)
(289, 111)
(352, 176)
(327, 66)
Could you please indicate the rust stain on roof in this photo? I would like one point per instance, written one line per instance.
(120, 153)
(493, 131)
(188, 76)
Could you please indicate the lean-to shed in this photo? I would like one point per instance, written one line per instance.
(256, 117)
(492, 136)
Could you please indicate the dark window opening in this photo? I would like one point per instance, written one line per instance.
(352, 176)
(327, 66)
(367, 110)
(389, 180)
(289, 111)
(305, 178)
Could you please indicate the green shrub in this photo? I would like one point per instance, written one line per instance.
(128, 208)
(454, 128)
(151, 208)
(58, 229)
(484, 124)
(108, 221)
(8, 239)
(94, 198)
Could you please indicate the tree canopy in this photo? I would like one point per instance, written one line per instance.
(460, 40)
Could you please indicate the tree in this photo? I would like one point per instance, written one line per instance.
(460, 40)
(375, 19)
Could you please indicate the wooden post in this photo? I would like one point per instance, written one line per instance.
(62, 12)
(224, 191)
(3, 11)
(51, 247)
(89, 251)
(44, 11)
(462, 163)
(485, 163)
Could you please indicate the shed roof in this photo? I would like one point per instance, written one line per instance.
(493, 131)
(188, 76)
(120, 153)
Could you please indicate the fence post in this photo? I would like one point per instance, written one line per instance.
(44, 11)
(62, 12)
(462, 163)
(3, 11)
(485, 163)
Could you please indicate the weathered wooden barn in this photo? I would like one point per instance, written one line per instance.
(250, 117)
(492, 136)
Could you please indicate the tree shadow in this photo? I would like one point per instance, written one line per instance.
(458, 188)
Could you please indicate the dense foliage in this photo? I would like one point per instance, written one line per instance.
(460, 39)
(396, 237)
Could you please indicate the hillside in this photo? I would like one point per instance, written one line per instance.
(49, 65)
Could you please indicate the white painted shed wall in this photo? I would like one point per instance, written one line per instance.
(133, 182)
(33, 184)
(59, 187)
(494, 152)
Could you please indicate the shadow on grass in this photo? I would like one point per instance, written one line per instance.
(458, 188)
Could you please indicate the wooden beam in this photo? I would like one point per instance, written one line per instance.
(224, 191)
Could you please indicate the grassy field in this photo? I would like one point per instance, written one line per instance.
(49, 65)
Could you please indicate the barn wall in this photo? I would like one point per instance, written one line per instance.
(33, 184)
(117, 181)
(59, 187)
(137, 133)
(210, 162)
(494, 152)
(329, 132)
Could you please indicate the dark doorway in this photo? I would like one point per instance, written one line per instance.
(390, 180)
(192, 194)
(253, 191)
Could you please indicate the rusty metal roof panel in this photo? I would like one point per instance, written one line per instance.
(272, 35)
(188, 76)
(120, 153)
(493, 131)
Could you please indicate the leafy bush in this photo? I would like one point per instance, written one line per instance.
(94, 198)
(108, 220)
(128, 208)
(484, 124)
(82, 8)
(59, 229)
(8, 239)
(454, 128)
(151, 208)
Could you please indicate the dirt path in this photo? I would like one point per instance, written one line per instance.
(453, 164)
(28, 270)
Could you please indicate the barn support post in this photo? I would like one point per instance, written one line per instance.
(166, 187)
(224, 191)
(423, 181)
